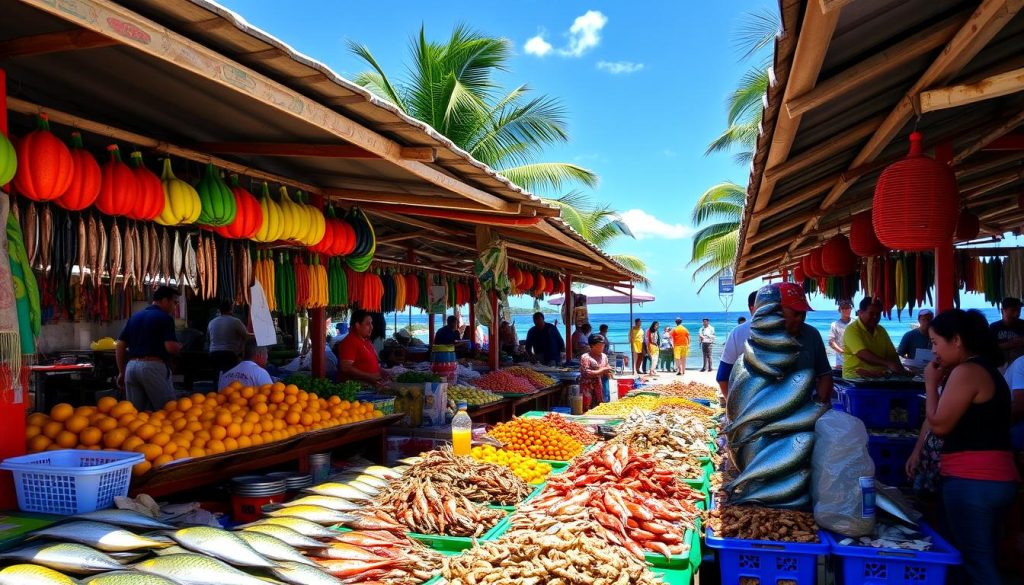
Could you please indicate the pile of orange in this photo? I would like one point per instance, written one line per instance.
(535, 438)
(193, 426)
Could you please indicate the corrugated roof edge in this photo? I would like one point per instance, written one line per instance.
(241, 24)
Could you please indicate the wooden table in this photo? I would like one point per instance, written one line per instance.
(493, 413)
(212, 469)
(543, 399)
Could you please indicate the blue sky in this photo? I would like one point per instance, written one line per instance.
(644, 84)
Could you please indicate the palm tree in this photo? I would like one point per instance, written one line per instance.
(714, 245)
(450, 86)
(600, 226)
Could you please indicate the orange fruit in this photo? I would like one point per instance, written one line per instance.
(256, 440)
(66, 439)
(90, 436)
(37, 419)
(244, 442)
(171, 448)
(141, 468)
(215, 446)
(145, 431)
(162, 460)
(224, 418)
(218, 433)
(39, 443)
(32, 431)
(234, 430)
(131, 443)
(122, 408)
(171, 406)
(230, 444)
(76, 423)
(62, 412)
(248, 392)
(150, 450)
(114, 438)
(160, 439)
(105, 404)
(107, 424)
(52, 429)
(277, 397)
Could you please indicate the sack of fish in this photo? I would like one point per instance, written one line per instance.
(771, 414)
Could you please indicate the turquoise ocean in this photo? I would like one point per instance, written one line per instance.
(723, 322)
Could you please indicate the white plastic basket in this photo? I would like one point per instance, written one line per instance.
(71, 481)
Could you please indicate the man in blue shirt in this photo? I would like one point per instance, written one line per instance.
(144, 350)
(544, 342)
(448, 334)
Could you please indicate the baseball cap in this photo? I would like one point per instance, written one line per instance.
(793, 297)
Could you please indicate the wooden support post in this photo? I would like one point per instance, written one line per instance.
(472, 317)
(567, 302)
(430, 328)
(317, 341)
(493, 349)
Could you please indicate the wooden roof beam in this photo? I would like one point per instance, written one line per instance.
(983, 25)
(410, 221)
(55, 42)
(824, 150)
(545, 254)
(437, 201)
(969, 93)
(100, 17)
(877, 66)
(420, 153)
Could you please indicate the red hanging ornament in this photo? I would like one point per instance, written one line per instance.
(968, 226)
(45, 167)
(150, 191)
(863, 240)
(916, 202)
(119, 189)
(85, 181)
(837, 259)
(798, 273)
(248, 214)
(817, 265)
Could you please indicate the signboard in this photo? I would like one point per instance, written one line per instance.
(262, 322)
(725, 284)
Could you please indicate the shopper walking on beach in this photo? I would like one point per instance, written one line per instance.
(838, 329)
(636, 345)
(680, 346)
(968, 405)
(707, 339)
(665, 360)
(653, 346)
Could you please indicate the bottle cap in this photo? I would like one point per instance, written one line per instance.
(461, 405)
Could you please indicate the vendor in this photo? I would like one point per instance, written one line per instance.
(812, 348)
(507, 338)
(1009, 330)
(543, 342)
(357, 359)
(248, 372)
(581, 339)
(448, 334)
(594, 371)
(227, 335)
(144, 350)
(916, 339)
(734, 348)
(867, 349)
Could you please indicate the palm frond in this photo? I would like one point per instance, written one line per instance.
(738, 135)
(549, 175)
(383, 86)
(743, 157)
(757, 30)
(720, 201)
(634, 264)
(706, 240)
(719, 254)
(745, 103)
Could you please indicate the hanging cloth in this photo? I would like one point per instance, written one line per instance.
(491, 270)
(19, 308)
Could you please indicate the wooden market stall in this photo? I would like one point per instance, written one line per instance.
(193, 82)
(849, 84)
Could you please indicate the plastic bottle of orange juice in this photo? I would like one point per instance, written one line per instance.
(462, 431)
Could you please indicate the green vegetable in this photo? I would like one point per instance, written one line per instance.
(325, 388)
(417, 378)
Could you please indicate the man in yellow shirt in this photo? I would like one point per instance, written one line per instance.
(636, 345)
(868, 351)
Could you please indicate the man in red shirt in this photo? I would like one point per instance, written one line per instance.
(357, 359)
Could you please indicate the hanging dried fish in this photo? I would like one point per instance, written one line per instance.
(166, 254)
(80, 257)
(129, 254)
(116, 252)
(190, 263)
(139, 258)
(178, 261)
(101, 264)
(204, 285)
(45, 237)
(144, 262)
(31, 235)
(91, 250)
(154, 254)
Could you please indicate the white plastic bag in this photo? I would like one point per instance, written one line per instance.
(842, 475)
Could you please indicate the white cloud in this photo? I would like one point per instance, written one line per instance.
(585, 33)
(620, 67)
(644, 225)
(537, 46)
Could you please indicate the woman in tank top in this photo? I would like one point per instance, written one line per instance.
(972, 416)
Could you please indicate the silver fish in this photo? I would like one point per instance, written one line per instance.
(62, 556)
(339, 490)
(770, 322)
(764, 310)
(299, 574)
(220, 544)
(364, 487)
(774, 340)
(777, 458)
(778, 400)
(776, 491)
(98, 535)
(383, 472)
(339, 504)
(126, 518)
(273, 548)
(288, 535)
(128, 578)
(318, 514)
(195, 569)
(304, 525)
(366, 478)
(173, 550)
(33, 575)
(801, 420)
(743, 387)
(744, 454)
(766, 362)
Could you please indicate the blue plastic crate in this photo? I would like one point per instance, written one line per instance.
(890, 456)
(71, 481)
(884, 408)
(766, 561)
(863, 565)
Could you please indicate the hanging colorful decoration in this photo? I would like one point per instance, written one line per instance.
(8, 160)
(863, 240)
(150, 200)
(968, 226)
(181, 201)
(85, 180)
(366, 241)
(248, 214)
(272, 227)
(837, 259)
(217, 203)
(119, 190)
(916, 202)
(44, 164)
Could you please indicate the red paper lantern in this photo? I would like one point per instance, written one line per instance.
(248, 214)
(916, 200)
(150, 191)
(816, 264)
(837, 258)
(119, 188)
(863, 240)
(968, 226)
(527, 281)
(805, 265)
(798, 273)
(85, 181)
(45, 166)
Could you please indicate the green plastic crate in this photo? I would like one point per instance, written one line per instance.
(682, 576)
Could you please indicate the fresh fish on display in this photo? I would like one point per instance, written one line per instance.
(339, 490)
(115, 253)
(777, 490)
(746, 452)
(779, 400)
(272, 548)
(768, 323)
(33, 575)
(300, 525)
(178, 261)
(99, 536)
(767, 362)
(31, 230)
(386, 473)
(125, 518)
(364, 487)
(303, 574)
(285, 534)
(104, 251)
(774, 340)
(743, 387)
(765, 310)
(220, 544)
(195, 569)
(91, 250)
(337, 504)
(62, 556)
(45, 237)
(128, 578)
(343, 568)
(191, 267)
(317, 514)
(779, 457)
(366, 478)
(802, 419)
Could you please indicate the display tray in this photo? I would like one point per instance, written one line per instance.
(901, 383)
